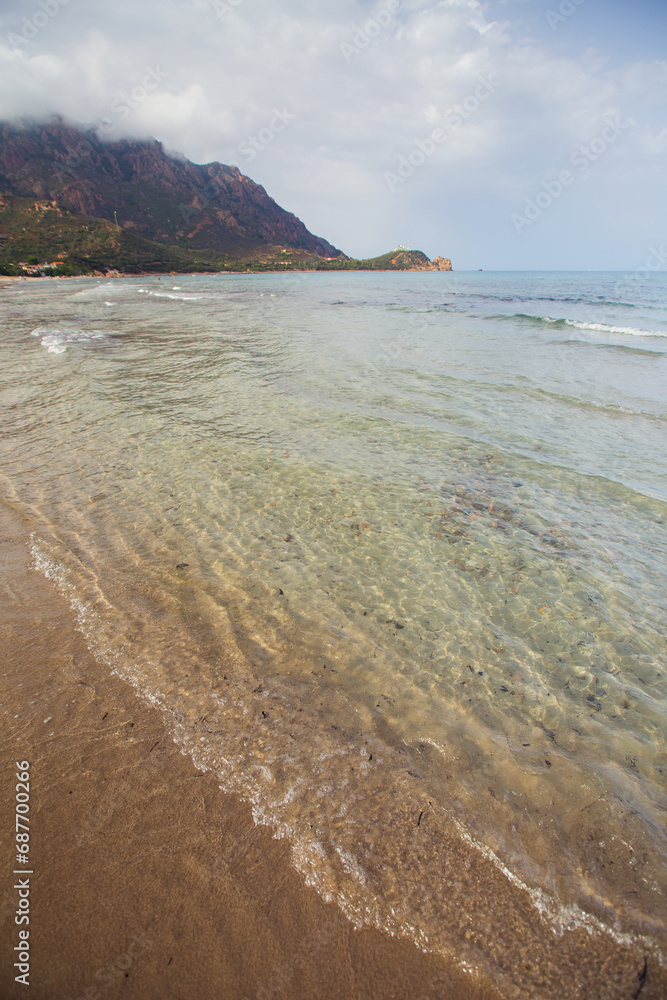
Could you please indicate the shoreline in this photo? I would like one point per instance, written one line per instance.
(153, 531)
(213, 274)
(173, 880)
(170, 888)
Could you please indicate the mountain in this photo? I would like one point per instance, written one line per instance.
(71, 203)
(154, 196)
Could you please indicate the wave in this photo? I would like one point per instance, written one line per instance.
(184, 297)
(570, 299)
(86, 292)
(595, 327)
(625, 348)
(371, 865)
(604, 328)
(57, 340)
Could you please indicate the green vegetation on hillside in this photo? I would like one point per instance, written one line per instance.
(396, 260)
(33, 232)
(38, 237)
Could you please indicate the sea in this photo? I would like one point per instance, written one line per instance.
(388, 552)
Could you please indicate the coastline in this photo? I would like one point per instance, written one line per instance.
(170, 888)
(193, 274)
(418, 877)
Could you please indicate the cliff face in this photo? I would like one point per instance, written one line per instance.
(156, 196)
(437, 264)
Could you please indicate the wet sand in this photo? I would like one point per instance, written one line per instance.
(149, 881)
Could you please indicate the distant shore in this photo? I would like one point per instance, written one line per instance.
(194, 274)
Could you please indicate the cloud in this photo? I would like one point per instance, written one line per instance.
(364, 82)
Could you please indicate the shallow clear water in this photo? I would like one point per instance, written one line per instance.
(371, 540)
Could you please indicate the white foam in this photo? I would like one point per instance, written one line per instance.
(631, 331)
(604, 328)
(85, 292)
(561, 917)
(105, 288)
(184, 297)
(309, 856)
(56, 339)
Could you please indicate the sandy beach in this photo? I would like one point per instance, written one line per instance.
(261, 606)
(147, 887)
(144, 887)
(333, 493)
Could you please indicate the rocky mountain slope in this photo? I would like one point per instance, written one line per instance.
(154, 196)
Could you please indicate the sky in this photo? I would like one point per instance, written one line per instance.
(511, 134)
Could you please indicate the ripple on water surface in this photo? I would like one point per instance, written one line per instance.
(379, 572)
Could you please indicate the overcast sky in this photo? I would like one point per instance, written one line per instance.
(510, 134)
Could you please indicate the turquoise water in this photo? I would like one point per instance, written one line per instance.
(411, 521)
